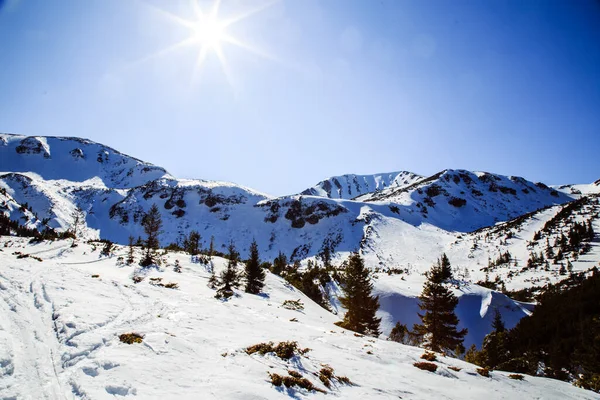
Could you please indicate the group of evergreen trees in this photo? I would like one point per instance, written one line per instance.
(311, 280)
(503, 259)
(9, 227)
(230, 277)
(576, 242)
(561, 339)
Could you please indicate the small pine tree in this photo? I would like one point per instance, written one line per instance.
(439, 322)
(213, 281)
(279, 264)
(255, 275)
(191, 244)
(361, 306)
(107, 249)
(211, 248)
(229, 277)
(130, 257)
(590, 230)
(498, 324)
(399, 333)
(152, 223)
(325, 254)
(494, 348)
(177, 267)
(473, 356)
(78, 221)
(562, 270)
(446, 268)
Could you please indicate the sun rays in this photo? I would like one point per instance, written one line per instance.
(209, 36)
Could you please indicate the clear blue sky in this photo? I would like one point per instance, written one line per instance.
(350, 86)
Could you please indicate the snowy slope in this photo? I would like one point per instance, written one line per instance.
(459, 200)
(581, 189)
(61, 318)
(474, 250)
(350, 186)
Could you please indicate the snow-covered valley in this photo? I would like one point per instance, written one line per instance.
(62, 315)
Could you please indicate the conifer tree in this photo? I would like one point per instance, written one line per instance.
(569, 266)
(177, 267)
(549, 251)
(107, 249)
(191, 244)
(325, 254)
(130, 257)
(498, 324)
(494, 348)
(211, 248)
(439, 322)
(279, 264)
(399, 333)
(361, 306)
(255, 275)
(446, 268)
(473, 356)
(78, 218)
(229, 276)
(590, 230)
(152, 223)
(213, 281)
(562, 270)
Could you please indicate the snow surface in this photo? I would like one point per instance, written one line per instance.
(59, 328)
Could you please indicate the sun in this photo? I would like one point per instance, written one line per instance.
(208, 34)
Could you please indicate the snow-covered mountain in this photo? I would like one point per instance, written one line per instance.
(350, 186)
(460, 200)
(400, 227)
(54, 175)
(74, 160)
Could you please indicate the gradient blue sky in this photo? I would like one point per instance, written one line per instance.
(352, 86)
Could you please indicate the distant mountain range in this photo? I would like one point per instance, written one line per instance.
(53, 175)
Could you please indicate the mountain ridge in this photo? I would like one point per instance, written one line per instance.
(299, 225)
(351, 186)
